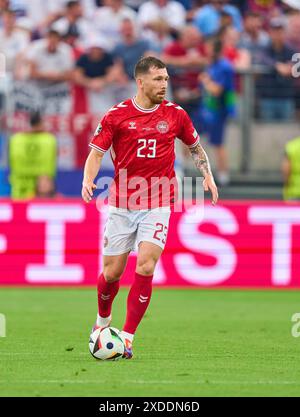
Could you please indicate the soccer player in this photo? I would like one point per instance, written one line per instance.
(140, 133)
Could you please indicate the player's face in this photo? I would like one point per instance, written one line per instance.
(154, 84)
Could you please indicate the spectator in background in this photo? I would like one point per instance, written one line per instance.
(134, 4)
(291, 170)
(51, 59)
(208, 18)
(254, 38)
(41, 14)
(185, 57)
(239, 57)
(266, 8)
(73, 23)
(13, 41)
(217, 82)
(276, 88)
(89, 8)
(241, 5)
(72, 39)
(129, 51)
(31, 155)
(51, 62)
(293, 30)
(4, 5)
(293, 41)
(159, 20)
(96, 71)
(225, 20)
(108, 19)
(18, 6)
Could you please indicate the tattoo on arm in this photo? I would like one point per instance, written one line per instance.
(201, 160)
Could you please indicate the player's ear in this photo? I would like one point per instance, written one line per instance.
(139, 82)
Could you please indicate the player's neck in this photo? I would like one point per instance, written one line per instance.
(144, 102)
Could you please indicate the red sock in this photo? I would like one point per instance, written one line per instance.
(137, 302)
(106, 294)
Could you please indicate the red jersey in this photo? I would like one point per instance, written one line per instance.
(142, 147)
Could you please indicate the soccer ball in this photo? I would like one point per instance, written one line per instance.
(106, 344)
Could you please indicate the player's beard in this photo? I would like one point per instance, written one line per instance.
(158, 98)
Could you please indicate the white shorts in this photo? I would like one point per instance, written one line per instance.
(126, 229)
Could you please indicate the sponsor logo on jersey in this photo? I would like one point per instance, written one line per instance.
(162, 127)
(98, 130)
(132, 125)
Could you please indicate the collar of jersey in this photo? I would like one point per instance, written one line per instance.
(142, 109)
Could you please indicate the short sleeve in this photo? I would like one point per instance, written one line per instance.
(187, 132)
(103, 135)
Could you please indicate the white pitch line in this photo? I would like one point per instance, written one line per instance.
(165, 382)
(43, 354)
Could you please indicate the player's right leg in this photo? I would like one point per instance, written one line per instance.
(108, 287)
(119, 239)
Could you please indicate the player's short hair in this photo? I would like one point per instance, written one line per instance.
(144, 64)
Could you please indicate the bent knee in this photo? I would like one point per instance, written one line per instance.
(111, 274)
(146, 267)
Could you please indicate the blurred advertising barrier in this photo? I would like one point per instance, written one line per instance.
(238, 244)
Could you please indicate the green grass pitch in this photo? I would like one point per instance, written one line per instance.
(191, 343)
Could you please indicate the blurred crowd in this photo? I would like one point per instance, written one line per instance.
(95, 43)
(61, 57)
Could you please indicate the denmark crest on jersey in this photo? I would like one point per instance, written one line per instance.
(98, 130)
(162, 127)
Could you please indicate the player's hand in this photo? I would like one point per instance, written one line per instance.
(88, 191)
(210, 185)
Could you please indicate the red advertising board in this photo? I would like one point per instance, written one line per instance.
(235, 244)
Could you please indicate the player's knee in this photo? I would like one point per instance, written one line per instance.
(111, 274)
(146, 267)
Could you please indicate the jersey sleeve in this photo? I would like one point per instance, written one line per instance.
(103, 135)
(187, 132)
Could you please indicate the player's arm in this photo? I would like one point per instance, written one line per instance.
(202, 163)
(91, 169)
(100, 143)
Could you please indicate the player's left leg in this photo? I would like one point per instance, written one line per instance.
(140, 293)
(151, 240)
